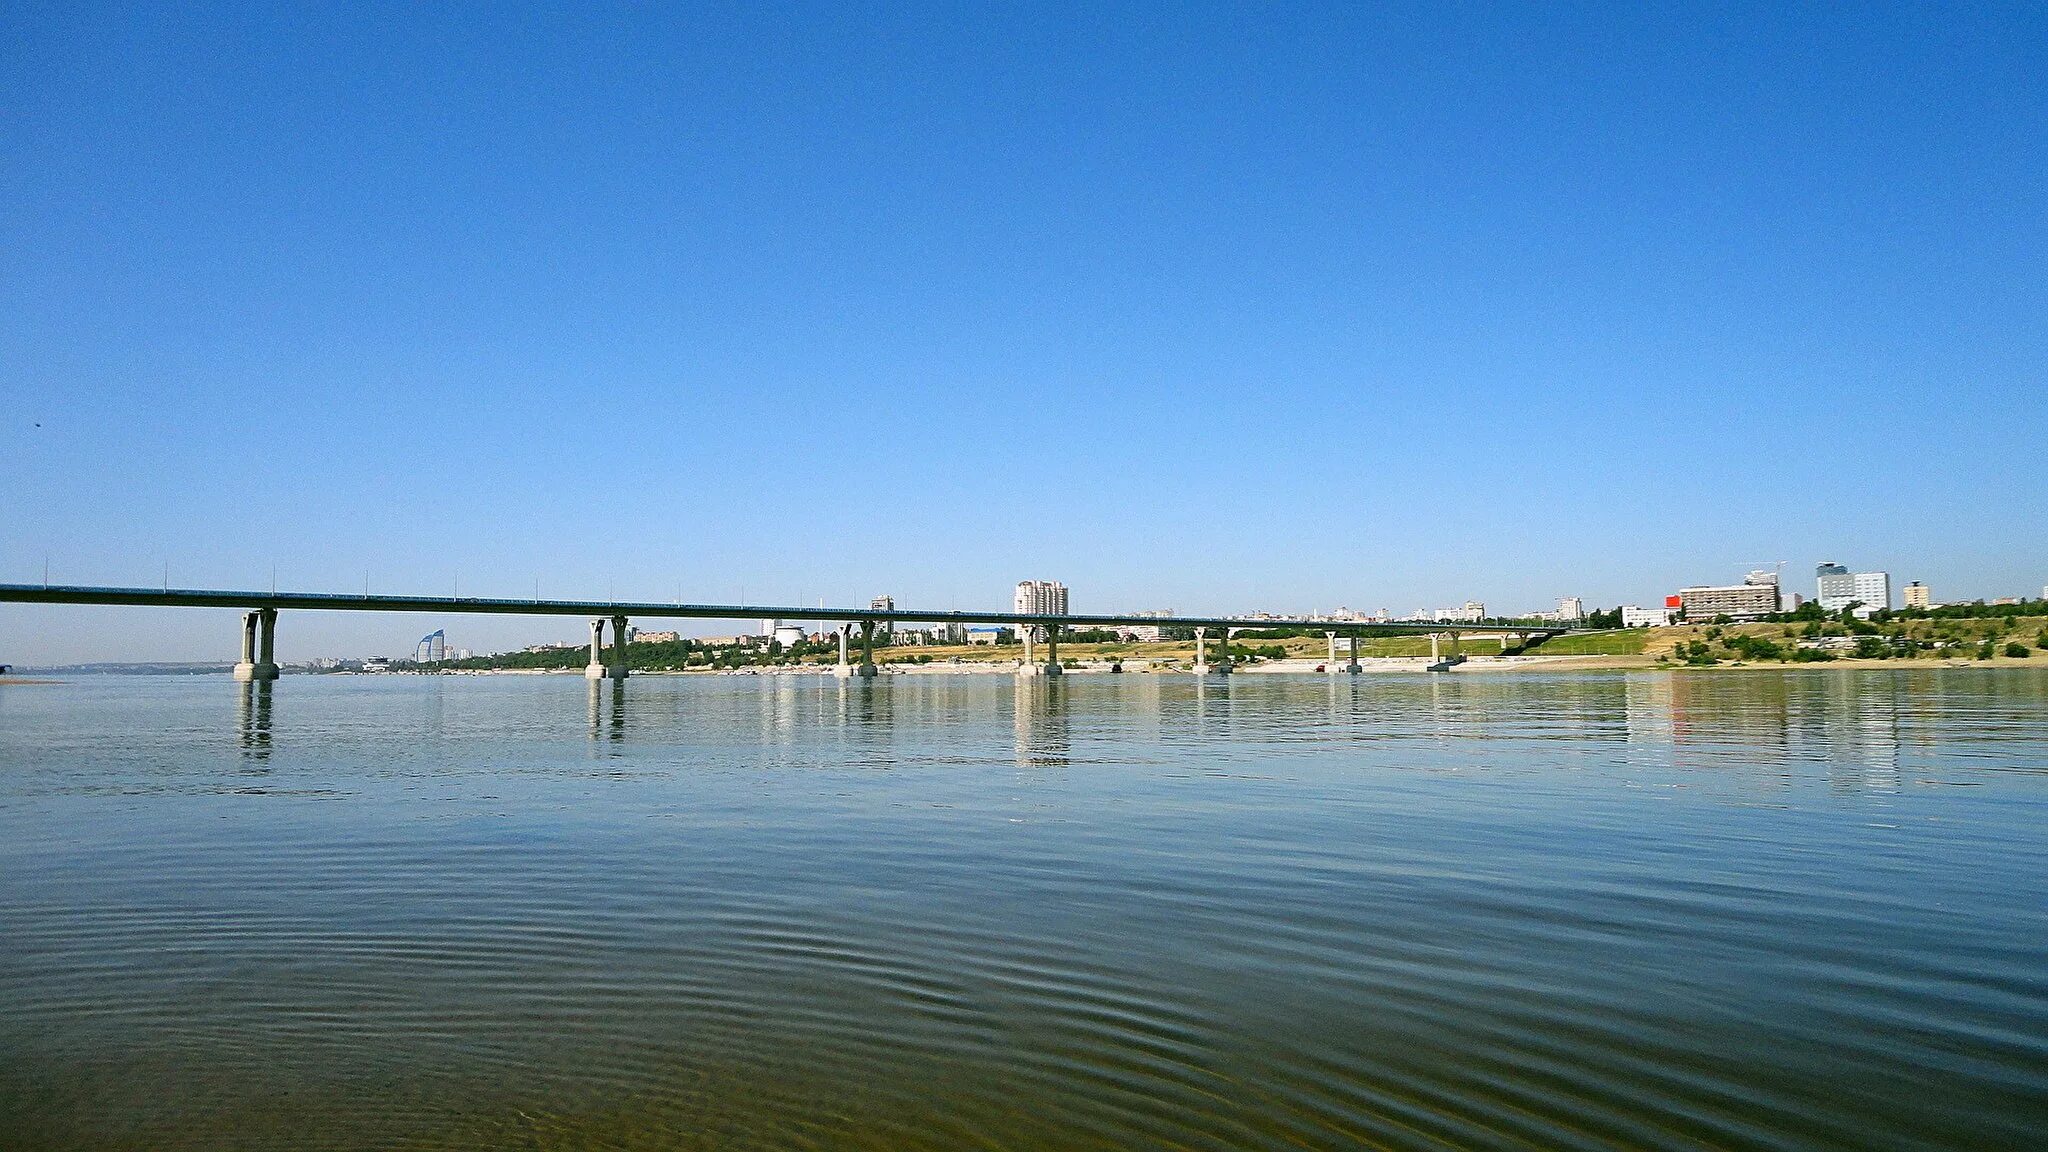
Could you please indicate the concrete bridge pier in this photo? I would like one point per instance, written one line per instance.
(259, 646)
(1439, 661)
(1051, 667)
(843, 670)
(1205, 666)
(866, 668)
(598, 669)
(1351, 666)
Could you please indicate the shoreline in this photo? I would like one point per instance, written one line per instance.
(1403, 665)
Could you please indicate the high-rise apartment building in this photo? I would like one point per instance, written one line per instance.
(1917, 596)
(1041, 597)
(886, 628)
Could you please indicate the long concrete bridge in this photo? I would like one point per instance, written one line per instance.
(260, 609)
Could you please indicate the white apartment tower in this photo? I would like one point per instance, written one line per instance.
(1041, 598)
(1839, 587)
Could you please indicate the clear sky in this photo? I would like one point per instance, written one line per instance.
(1216, 308)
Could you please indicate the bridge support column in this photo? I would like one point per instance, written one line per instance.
(1352, 665)
(595, 670)
(1051, 667)
(866, 670)
(1220, 666)
(1438, 660)
(843, 670)
(259, 646)
(620, 637)
(1331, 663)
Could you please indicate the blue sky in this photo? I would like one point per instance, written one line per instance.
(1216, 308)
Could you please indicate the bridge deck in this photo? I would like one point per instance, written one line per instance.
(666, 610)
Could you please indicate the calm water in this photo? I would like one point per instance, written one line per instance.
(1800, 910)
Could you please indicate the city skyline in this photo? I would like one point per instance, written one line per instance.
(1275, 313)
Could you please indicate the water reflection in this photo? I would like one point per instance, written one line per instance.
(252, 720)
(608, 710)
(1038, 721)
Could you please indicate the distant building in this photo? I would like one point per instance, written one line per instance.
(1146, 633)
(1756, 596)
(1472, 613)
(1041, 598)
(949, 633)
(1917, 596)
(1634, 617)
(1569, 610)
(432, 648)
(1839, 588)
(640, 637)
(788, 634)
(886, 628)
(733, 641)
(2006, 600)
(987, 635)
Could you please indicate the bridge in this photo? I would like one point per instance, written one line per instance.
(260, 610)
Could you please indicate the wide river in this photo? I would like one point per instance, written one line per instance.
(1728, 909)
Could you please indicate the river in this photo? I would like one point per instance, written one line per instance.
(1798, 909)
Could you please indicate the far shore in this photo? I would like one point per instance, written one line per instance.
(1299, 667)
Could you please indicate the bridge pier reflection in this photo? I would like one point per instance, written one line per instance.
(608, 711)
(252, 719)
(1039, 723)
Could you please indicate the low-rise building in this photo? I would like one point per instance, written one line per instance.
(732, 641)
(1472, 613)
(1634, 617)
(1145, 633)
(640, 637)
(989, 636)
(1756, 596)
